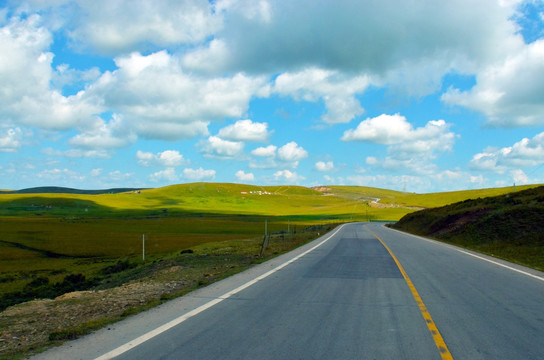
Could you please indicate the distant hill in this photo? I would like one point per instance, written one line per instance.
(64, 190)
(327, 202)
(510, 226)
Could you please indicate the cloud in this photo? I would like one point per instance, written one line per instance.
(383, 129)
(78, 153)
(64, 76)
(407, 147)
(118, 175)
(215, 147)
(103, 135)
(60, 174)
(198, 174)
(510, 93)
(11, 140)
(124, 26)
(288, 155)
(292, 153)
(336, 90)
(170, 131)
(400, 135)
(524, 153)
(245, 130)
(161, 101)
(242, 176)
(288, 176)
(269, 151)
(519, 176)
(324, 166)
(168, 174)
(25, 69)
(168, 158)
(371, 160)
(354, 38)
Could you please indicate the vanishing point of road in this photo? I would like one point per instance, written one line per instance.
(363, 291)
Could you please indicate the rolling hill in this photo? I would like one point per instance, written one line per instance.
(340, 202)
(510, 226)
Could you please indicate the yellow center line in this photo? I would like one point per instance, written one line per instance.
(438, 340)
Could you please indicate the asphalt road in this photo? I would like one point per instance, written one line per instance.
(344, 297)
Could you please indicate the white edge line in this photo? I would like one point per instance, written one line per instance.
(471, 254)
(151, 334)
(504, 266)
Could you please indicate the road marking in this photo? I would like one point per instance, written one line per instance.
(151, 334)
(504, 266)
(456, 248)
(438, 340)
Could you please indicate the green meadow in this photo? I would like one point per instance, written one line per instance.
(52, 236)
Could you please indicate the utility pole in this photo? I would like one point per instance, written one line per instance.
(143, 247)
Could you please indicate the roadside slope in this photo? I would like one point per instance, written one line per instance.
(509, 226)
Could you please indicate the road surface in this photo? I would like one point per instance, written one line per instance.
(344, 296)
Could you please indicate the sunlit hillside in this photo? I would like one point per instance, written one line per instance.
(342, 202)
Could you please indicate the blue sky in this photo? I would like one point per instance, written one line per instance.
(420, 96)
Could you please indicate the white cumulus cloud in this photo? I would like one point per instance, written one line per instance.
(161, 101)
(292, 153)
(324, 166)
(245, 130)
(11, 139)
(198, 174)
(215, 147)
(167, 158)
(168, 174)
(124, 26)
(27, 96)
(268, 151)
(396, 131)
(105, 135)
(524, 153)
(288, 176)
(336, 90)
(511, 92)
(242, 176)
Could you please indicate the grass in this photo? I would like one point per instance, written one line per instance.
(58, 242)
(86, 245)
(202, 265)
(55, 235)
(508, 226)
(445, 198)
(362, 192)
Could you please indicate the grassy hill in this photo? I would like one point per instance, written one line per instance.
(211, 198)
(54, 240)
(64, 190)
(509, 226)
(444, 198)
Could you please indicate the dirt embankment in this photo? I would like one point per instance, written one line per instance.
(30, 325)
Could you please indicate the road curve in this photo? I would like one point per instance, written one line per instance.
(343, 296)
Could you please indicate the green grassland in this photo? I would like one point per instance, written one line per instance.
(444, 198)
(54, 235)
(362, 193)
(509, 226)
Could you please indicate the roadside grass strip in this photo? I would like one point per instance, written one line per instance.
(153, 333)
(438, 340)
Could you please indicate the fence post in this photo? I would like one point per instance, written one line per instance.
(265, 243)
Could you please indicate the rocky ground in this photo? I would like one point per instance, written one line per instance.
(27, 327)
